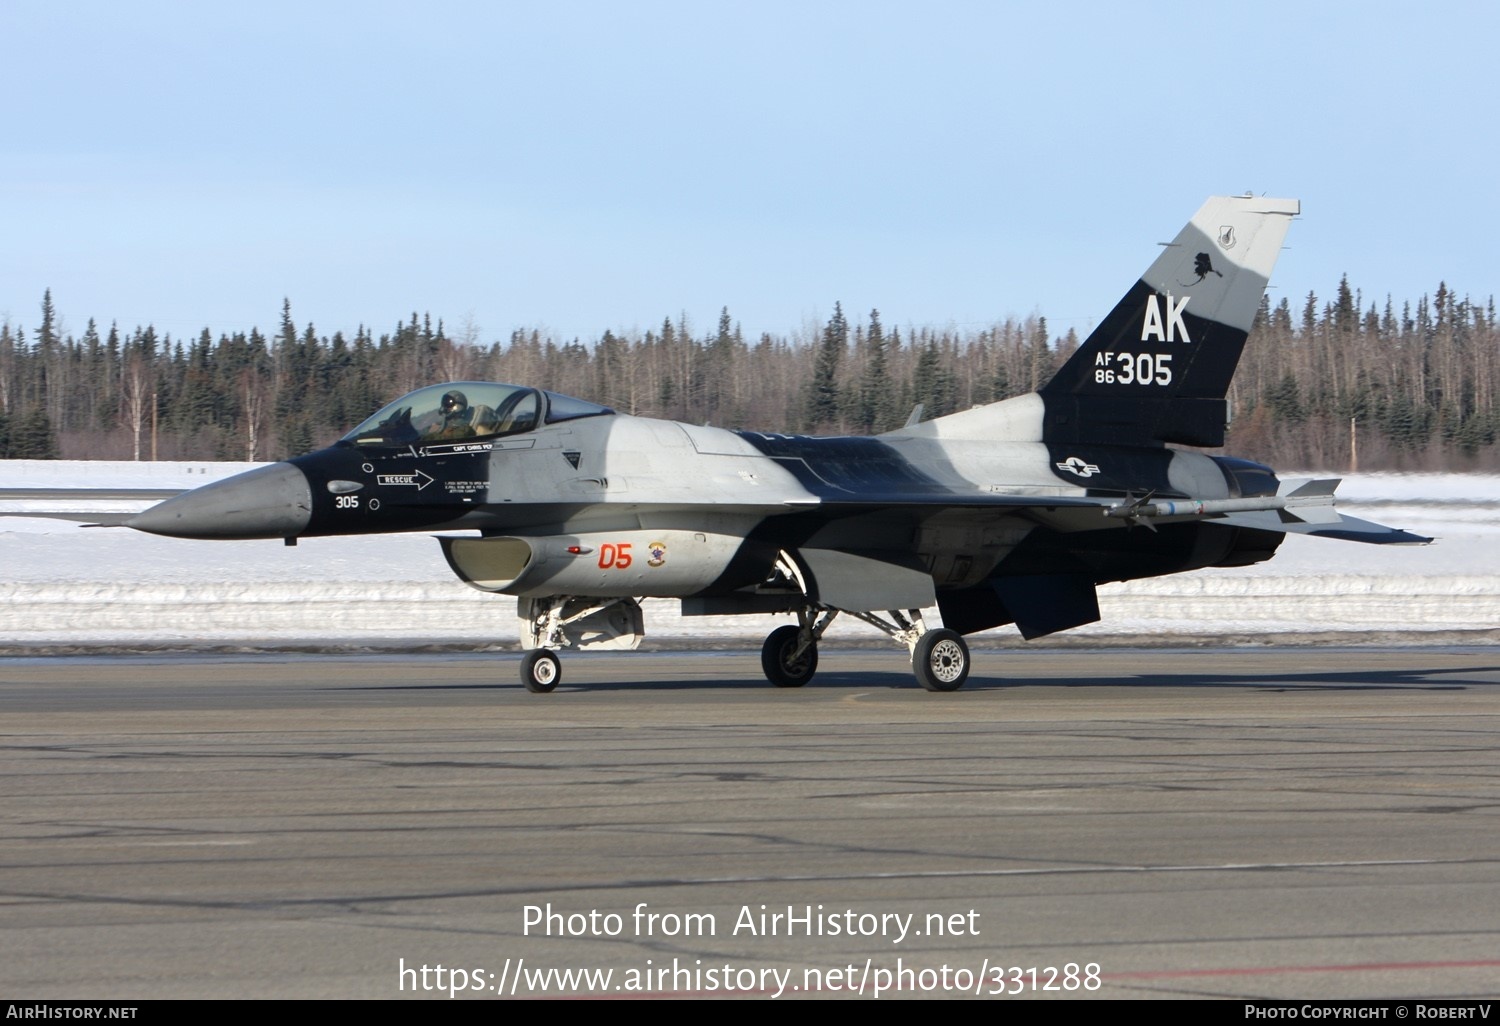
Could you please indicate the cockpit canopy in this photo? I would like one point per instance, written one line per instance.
(465, 410)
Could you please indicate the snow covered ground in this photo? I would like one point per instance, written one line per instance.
(64, 586)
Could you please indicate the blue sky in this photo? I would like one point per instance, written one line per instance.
(586, 166)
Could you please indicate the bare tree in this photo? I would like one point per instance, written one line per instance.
(254, 400)
(137, 386)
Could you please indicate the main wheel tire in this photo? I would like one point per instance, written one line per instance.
(541, 670)
(776, 658)
(941, 660)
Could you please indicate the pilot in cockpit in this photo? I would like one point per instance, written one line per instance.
(456, 417)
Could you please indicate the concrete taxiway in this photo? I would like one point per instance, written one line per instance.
(1249, 823)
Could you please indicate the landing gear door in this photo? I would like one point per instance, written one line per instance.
(848, 581)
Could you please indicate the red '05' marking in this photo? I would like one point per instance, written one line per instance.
(615, 556)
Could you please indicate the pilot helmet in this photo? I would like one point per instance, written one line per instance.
(454, 401)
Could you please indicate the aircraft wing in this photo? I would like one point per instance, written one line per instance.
(1299, 507)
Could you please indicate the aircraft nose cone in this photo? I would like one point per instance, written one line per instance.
(267, 502)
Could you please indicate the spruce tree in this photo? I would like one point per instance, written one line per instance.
(32, 437)
(877, 397)
(822, 403)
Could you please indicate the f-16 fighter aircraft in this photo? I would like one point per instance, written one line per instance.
(1014, 512)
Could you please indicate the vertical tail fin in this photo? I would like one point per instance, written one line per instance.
(1158, 367)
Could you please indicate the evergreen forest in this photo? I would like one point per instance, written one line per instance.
(1328, 384)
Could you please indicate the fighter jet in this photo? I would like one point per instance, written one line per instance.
(1009, 513)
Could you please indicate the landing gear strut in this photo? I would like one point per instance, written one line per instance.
(939, 657)
(563, 622)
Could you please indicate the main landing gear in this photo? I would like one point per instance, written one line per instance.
(939, 657)
(789, 658)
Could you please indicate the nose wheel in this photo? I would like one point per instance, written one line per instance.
(541, 670)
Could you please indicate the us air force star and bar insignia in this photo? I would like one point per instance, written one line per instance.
(1082, 468)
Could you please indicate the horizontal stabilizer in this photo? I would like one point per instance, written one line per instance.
(1298, 507)
(1342, 527)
